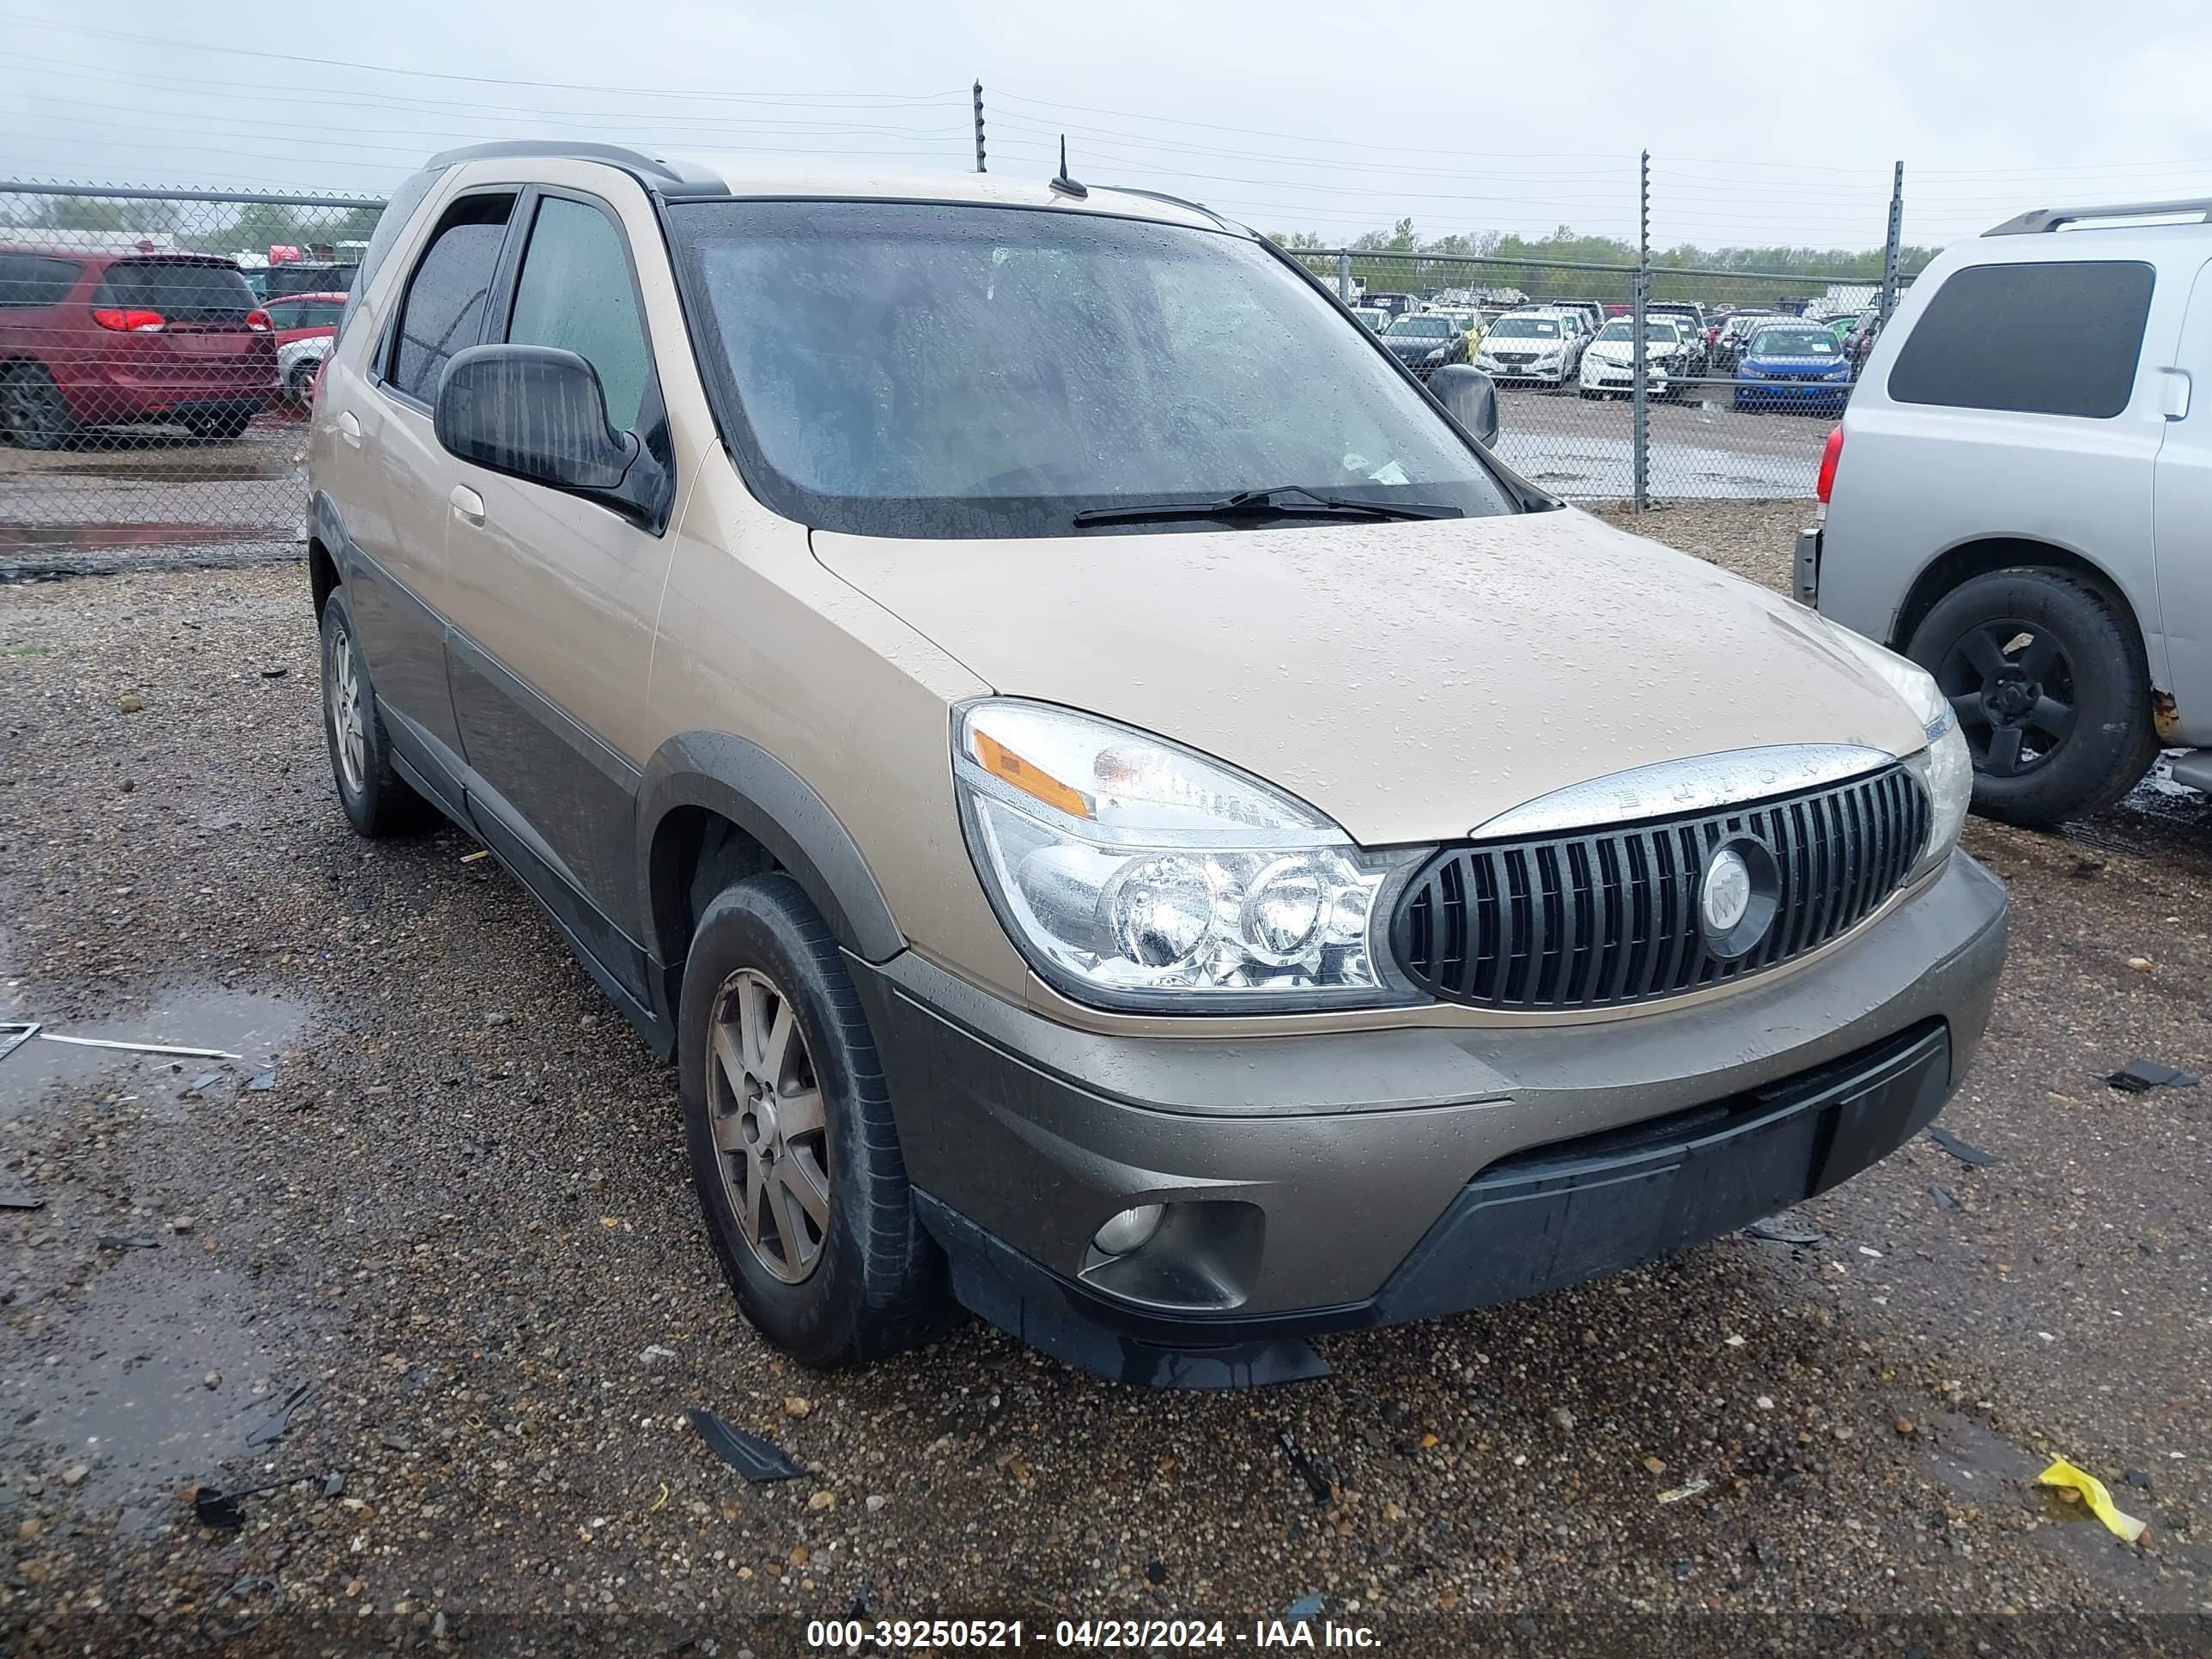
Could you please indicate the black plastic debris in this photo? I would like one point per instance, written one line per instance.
(274, 673)
(115, 1242)
(1316, 1478)
(203, 1083)
(272, 1429)
(1963, 1151)
(1773, 1231)
(749, 1455)
(239, 1607)
(334, 1483)
(266, 1081)
(1304, 1611)
(2140, 1076)
(213, 1507)
(2087, 869)
(15, 1195)
(1944, 1197)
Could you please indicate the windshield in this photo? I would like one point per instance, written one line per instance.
(1525, 328)
(1794, 343)
(1374, 319)
(927, 369)
(1656, 331)
(1428, 328)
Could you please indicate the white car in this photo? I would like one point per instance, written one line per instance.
(1608, 365)
(296, 364)
(1532, 345)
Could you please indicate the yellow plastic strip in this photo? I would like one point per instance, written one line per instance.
(2120, 1523)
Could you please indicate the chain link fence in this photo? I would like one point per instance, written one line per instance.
(1742, 375)
(157, 348)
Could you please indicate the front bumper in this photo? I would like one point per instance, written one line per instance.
(1360, 1178)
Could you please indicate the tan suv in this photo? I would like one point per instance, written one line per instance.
(1124, 814)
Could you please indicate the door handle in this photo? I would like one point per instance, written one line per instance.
(2173, 393)
(349, 427)
(467, 503)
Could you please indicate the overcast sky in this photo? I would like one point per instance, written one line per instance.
(1767, 124)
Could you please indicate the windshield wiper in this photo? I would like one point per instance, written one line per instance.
(1293, 500)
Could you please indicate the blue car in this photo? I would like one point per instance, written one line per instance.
(1794, 365)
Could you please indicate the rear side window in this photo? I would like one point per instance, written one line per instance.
(444, 309)
(29, 279)
(181, 293)
(2057, 339)
(576, 294)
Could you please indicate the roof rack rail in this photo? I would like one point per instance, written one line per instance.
(656, 173)
(2039, 219)
(1180, 202)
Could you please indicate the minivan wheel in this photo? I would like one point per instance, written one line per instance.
(793, 1150)
(377, 800)
(34, 414)
(2050, 689)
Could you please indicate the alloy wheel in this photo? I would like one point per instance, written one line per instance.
(349, 720)
(764, 1102)
(2011, 685)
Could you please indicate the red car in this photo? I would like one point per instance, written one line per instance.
(115, 338)
(298, 317)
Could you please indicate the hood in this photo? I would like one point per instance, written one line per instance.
(1417, 346)
(1410, 680)
(1496, 342)
(1619, 351)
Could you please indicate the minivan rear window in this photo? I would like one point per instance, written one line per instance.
(2057, 337)
(181, 292)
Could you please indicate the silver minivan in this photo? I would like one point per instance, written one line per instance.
(2020, 499)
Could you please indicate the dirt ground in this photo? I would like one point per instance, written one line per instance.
(424, 1267)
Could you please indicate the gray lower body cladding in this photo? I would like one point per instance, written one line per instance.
(1362, 1178)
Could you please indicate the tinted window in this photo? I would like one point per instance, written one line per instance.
(576, 293)
(283, 315)
(182, 293)
(2042, 339)
(1526, 328)
(444, 309)
(26, 279)
(915, 369)
(1794, 343)
(319, 313)
(389, 223)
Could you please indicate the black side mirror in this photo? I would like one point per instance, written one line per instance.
(1469, 397)
(539, 414)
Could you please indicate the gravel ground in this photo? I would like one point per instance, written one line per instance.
(444, 1193)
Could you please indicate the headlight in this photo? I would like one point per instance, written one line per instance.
(1132, 872)
(1945, 768)
(1438, 354)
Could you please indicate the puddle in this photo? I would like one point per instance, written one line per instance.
(123, 1390)
(91, 537)
(252, 1026)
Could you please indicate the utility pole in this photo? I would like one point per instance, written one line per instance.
(1344, 275)
(1889, 253)
(979, 128)
(1640, 420)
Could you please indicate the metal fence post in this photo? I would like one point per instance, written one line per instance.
(1640, 379)
(1889, 253)
(1344, 275)
(979, 127)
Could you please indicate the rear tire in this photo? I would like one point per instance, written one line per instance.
(227, 427)
(793, 1150)
(34, 414)
(300, 384)
(378, 801)
(2050, 687)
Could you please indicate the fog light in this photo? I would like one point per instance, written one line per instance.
(1130, 1230)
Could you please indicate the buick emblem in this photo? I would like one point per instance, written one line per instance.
(1738, 893)
(1726, 893)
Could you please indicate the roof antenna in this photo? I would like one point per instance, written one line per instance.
(1063, 183)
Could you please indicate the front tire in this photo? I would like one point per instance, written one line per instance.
(793, 1150)
(2050, 687)
(226, 427)
(378, 801)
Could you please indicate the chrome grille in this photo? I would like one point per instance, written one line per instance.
(1610, 916)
